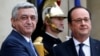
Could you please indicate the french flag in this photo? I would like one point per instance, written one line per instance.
(77, 3)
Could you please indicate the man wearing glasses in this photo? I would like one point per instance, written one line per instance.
(81, 44)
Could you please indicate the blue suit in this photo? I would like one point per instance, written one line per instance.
(68, 48)
(16, 45)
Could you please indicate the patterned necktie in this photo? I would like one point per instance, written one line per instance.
(81, 53)
(32, 46)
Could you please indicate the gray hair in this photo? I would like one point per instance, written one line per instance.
(23, 5)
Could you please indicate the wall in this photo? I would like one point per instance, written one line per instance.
(94, 8)
(5, 15)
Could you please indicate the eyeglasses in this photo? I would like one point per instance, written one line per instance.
(80, 20)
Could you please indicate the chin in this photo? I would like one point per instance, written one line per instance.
(84, 33)
(29, 31)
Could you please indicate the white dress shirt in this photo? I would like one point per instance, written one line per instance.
(86, 47)
(28, 39)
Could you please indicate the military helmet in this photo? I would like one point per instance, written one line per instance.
(53, 11)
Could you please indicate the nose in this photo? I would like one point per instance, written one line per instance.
(62, 22)
(29, 21)
(83, 21)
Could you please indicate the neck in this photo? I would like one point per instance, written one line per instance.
(55, 35)
(25, 34)
(81, 38)
(28, 35)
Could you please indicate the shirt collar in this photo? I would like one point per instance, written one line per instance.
(86, 42)
(27, 38)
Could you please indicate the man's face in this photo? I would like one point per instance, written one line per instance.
(58, 22)
(81, 23)
(26, 21)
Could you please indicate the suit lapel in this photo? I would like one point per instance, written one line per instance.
(93, 47)
(71, 48)
(23, 42)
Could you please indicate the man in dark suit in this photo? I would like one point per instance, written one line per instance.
(81, 44)
(24, 20)
(53, 19)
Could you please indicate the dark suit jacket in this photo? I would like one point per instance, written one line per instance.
(68, 48)
(15, 45)
(49, 42)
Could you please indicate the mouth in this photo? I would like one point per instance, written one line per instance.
(28, 27)
(84, 29)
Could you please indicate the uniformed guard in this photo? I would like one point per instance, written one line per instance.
(53, 20)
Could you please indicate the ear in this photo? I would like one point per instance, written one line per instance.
(13, 22)
(47, 21)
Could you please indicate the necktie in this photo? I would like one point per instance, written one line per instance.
(31, 44)
(81, 53)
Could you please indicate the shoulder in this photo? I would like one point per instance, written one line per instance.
(64, 44)
(94, 41)
(63, 48)
(13, 39)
